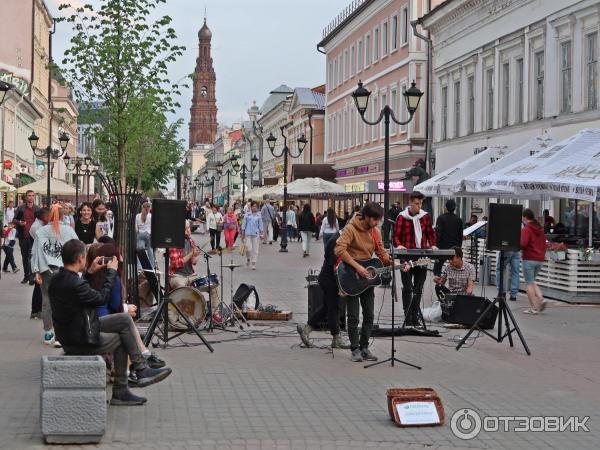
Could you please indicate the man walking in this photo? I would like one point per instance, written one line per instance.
(24, 218)
(448, 232)
(358, 241)
(267, 214)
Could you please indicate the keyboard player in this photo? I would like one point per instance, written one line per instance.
(414, 230)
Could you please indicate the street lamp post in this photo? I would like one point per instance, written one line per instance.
(244, 169)
(271, 140)
(92, 170)
(82, 167)
(412, 96)
(49, 153)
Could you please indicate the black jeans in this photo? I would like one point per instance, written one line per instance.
(36, 299)
(117, 336)
(25, 245)
(329, 308)
(366, 300)
(215, 238)
(412, 290)
(10, 257)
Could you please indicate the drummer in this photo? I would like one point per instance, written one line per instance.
(183, 260)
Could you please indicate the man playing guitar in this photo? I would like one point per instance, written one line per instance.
(413, 230)
(360, 238)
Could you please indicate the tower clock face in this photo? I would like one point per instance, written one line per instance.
(204, 92)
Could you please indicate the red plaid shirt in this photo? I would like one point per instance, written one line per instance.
(176, 256)
(404, 234)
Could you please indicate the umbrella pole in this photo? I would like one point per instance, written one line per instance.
(591, 223)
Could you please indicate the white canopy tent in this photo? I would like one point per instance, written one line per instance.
(310, 187)
(5, 187)
(257, 193)
(57, 187)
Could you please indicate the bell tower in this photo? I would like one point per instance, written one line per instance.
(203, 113)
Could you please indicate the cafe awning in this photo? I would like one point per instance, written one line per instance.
(57, 187)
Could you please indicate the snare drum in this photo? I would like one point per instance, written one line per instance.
(192, 303)
(203, 281)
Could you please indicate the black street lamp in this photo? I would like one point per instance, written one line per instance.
(93, 169)
(211, 181)
(412, 96)
(49, 153)
(82, 167)
(243, 169)
(271, 140)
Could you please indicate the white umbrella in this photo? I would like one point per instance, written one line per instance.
(311, 187)
(5, 187)
(57, 187)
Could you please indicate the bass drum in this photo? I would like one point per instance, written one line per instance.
(192, 303)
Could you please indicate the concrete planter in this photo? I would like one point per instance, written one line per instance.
(73, 403)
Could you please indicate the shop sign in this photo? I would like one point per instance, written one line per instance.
(8, 164)
(361, 170)
(395, 186)
(344, 172)
(356, 187)
(18, 84)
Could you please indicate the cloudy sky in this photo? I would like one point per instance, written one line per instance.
(257, 45)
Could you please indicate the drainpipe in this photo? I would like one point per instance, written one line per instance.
(428, 112)
(311, 136)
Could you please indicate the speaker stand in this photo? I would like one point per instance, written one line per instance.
(504, 312)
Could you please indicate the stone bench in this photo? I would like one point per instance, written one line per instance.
(73, 399)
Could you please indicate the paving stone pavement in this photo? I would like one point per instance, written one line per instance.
(261, 390)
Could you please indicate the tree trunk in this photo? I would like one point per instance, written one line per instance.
(122, 174)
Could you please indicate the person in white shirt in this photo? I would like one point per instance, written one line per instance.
(143, 226)
(329, 226)
(252, 231)
(290, 221)
(214, 220)
(9, 213)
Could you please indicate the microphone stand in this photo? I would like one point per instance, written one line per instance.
(207, 256)
(392, 359)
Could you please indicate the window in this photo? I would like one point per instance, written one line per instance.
(591, 70)
(505, 93)
(345, 130)
(361, 61)
(331, 135)
(489, 76)
(471, 94)
(366, 127)
(394, 32)
(457, 109)
(343, 67)
(519, 98)
(353, 61)
(375, 116)
(376, 45)
(444, 124)
(359, 123)
(339, 131)
(539, 85)
(351, 126)
(385, 39)
(403, 111)
(394, 106)
(404, 26)
(565, 77)
(346, 66)
(368, 50)
(383, 103)
(330, 76)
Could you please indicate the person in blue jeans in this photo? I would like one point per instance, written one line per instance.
(512, 260)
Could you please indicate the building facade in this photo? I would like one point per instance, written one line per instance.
(506, 72)
(372, 41)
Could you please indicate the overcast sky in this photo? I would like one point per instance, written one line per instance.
(257, 45)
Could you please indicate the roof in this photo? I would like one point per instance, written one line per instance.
(275, 98)
(434, 11)
(310, 98)
(347, 15)
(235, 136)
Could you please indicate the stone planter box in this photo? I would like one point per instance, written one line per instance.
(556, 255)
(73, 403)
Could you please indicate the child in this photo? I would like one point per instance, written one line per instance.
(10, 237)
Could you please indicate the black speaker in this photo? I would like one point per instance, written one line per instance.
(466, 309)
(315, 301)
(168, 223)
(504, 227)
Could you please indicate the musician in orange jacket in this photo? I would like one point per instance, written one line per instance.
(360, 238)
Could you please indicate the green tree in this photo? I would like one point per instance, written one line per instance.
(119, 57)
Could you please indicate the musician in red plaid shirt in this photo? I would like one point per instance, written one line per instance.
(413, 230)
(183, 260)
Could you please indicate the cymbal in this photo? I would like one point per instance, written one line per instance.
(231, 265)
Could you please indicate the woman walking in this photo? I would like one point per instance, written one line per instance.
(215, 226)
(252, 232)
(306, 226)
(46, 260)
(85, 226)
(329, 226)
(143, 226)
(230, 227)
(533, 246)
(290, 221)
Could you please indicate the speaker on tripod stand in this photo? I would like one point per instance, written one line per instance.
(503, 234)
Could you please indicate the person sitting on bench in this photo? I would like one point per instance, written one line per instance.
(459, 275)
(81, 332)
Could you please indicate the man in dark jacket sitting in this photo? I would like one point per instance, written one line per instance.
(81, 332)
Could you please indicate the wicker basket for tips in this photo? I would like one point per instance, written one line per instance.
(405, 392)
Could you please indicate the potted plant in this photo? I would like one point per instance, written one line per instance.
(556, 251)
(589, 254)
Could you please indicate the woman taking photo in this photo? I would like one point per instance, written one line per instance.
(533, 246)
(230, 227)
(306, 226)
(85, 226)
(329, 226)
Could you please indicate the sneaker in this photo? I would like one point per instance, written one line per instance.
(132, 380)
(56, 344)
(513, 299)
(367, 355)
(530, 311)
(24, 281)
(356, 355)
(48, 338)
(304, 332)
(542, 306)
(253, 266)
(37, 315)
(149, 376)
(337, 341)
(154, 361)
(247, 263)
(126, 398)
(16, 269)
